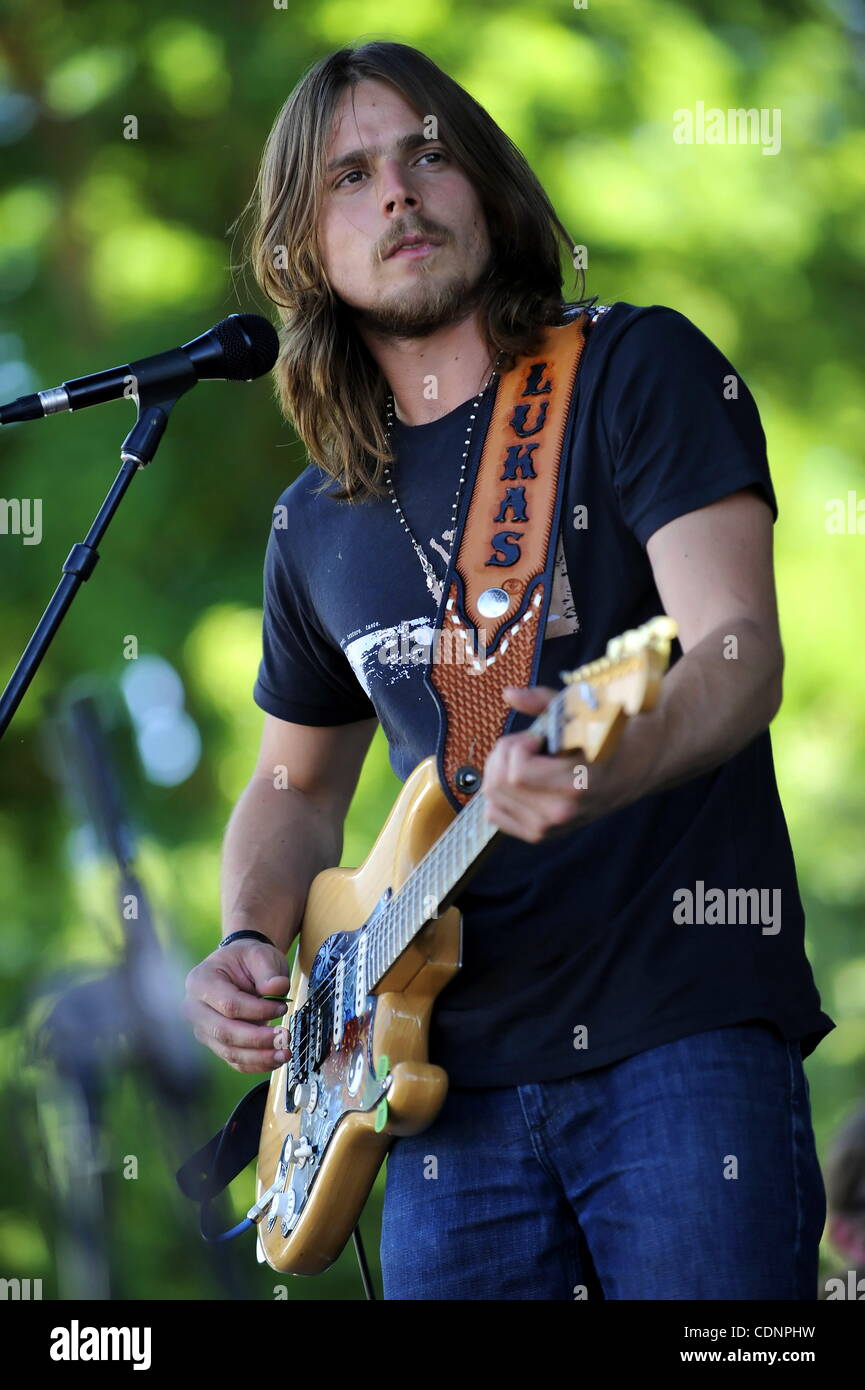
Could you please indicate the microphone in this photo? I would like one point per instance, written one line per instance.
(239, 348)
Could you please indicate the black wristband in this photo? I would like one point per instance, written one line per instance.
(253, 936)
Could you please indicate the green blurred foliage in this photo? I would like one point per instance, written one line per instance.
(113, 247)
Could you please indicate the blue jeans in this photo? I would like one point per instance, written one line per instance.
(688, 1171)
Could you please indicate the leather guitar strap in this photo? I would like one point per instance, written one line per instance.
(495, 598)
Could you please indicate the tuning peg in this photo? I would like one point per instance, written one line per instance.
(657, 633)
(662, 629)
(624, 644)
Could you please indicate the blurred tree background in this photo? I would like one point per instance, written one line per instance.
(112, 248)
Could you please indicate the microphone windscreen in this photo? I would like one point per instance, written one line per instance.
(250, 344)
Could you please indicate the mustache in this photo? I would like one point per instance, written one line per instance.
(429, 231)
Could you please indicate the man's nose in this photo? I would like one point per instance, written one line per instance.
(397, 191)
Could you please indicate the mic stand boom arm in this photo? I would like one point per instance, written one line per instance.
(155, 402)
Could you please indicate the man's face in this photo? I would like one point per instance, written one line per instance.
(378, 191)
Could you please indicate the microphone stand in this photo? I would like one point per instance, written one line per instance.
(155, 401)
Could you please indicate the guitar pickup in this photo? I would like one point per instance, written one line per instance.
(338, 1003)
(360, 990)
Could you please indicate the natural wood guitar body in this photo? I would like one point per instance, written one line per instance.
(343, 900)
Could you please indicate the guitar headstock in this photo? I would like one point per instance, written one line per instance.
(589, 714)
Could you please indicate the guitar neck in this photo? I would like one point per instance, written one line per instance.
(443, 873)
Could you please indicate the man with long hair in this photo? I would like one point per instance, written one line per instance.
(628, 1114)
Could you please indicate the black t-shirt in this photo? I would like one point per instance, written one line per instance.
(574, 951)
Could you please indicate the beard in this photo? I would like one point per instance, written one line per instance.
(429, 303)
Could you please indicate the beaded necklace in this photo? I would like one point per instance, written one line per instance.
(433, 583)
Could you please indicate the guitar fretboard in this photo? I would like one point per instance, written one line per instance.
(437, 878)
(430, 887)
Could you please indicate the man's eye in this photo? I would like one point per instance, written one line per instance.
(341, 181)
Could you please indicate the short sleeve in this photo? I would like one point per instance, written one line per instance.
(683, 428)
(303, 677)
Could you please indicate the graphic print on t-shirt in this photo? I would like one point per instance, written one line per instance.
(562, 616)
(392, 652)
(389, 653)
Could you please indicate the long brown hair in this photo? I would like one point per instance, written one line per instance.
(327, 382)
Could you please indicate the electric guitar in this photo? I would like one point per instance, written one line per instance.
(377, 945)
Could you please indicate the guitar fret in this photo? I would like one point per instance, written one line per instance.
(439, 877)
(417, 916)
(381, 935)
(391, 953)
(454, 851)
(424, 881)
(465, 834)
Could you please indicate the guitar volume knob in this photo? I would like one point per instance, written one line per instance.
(306, 1095)
(282, 1209)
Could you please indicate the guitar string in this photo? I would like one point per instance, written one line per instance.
(381, 928)
(456, 837)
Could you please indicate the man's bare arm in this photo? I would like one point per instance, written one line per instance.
(713, 570)
(285, 828)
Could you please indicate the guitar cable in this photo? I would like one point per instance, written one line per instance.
(237, 1230)
(365, 1277)
(209, 1171)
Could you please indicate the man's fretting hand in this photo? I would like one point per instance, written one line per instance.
(533, 796)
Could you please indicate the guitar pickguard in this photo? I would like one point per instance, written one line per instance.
(325, 1078)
